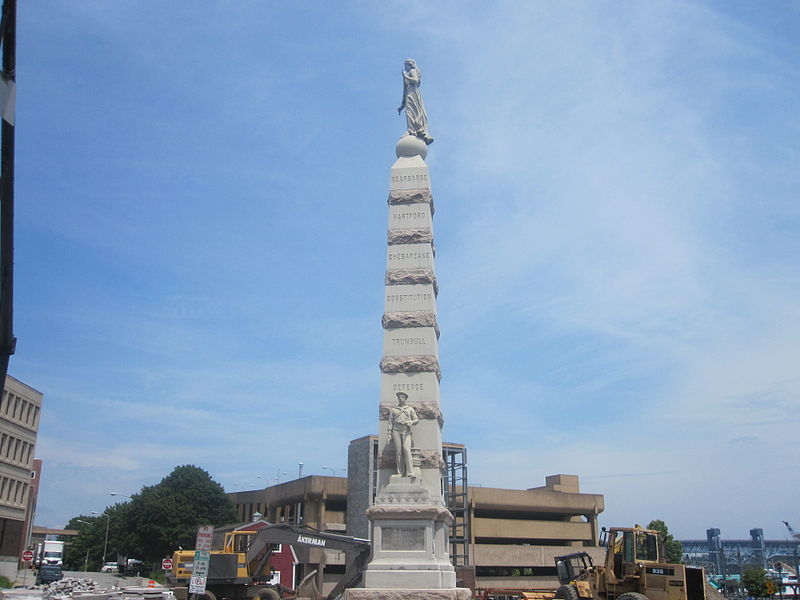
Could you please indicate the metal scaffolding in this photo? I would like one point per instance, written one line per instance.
(455, 485)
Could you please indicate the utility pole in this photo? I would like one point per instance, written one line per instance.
(8, 77)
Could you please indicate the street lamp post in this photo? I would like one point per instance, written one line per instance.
(85, 560)
(105, 543)
(108, 519)
(334, 469)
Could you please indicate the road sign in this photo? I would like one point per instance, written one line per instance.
(202, 556)
(205, 534)
(166, 564)
(27, 556)
(197, 583)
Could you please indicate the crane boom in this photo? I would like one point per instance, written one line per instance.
(795, 535)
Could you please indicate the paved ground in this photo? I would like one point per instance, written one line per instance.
(22, 594)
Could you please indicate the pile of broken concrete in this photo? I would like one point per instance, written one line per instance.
(65, 588)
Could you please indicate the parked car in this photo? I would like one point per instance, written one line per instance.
(110, 567)
(133, 566)
(49, 574)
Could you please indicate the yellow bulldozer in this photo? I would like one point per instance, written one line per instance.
(635, 568)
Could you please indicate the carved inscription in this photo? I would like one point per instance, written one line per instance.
(402, 217)
(412, 178)
(394, 538)
(410, 341)
(408, 387)
(411, 255)
(417, 297)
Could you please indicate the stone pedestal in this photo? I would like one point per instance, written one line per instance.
(409, 545)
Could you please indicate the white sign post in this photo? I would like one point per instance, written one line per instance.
(202, 556)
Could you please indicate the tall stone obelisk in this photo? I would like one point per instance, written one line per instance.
(410, 523)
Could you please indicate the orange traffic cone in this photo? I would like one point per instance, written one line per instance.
(151, 583)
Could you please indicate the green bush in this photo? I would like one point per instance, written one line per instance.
(5, 582)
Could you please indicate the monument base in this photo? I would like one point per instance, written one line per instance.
(409, 546)
(389, 594)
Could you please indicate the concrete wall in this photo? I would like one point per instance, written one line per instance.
(541, 500)
(531, 529)
(8, 567)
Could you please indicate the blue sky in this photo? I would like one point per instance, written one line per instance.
(201, 216)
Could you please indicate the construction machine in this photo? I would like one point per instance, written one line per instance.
(635, 568)
(240, 571)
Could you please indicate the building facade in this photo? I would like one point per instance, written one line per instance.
(515, 535)
(20, 411)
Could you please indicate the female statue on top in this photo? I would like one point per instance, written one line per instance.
(416, 117)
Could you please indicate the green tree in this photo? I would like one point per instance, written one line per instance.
(153, 523)
(162, 517)
(86, 548)
(672, 547)
(756, 582)
(79, 545)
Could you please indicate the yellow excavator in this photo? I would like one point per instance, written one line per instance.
(240, 570)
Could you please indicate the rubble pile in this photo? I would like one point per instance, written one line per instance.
(66, 587)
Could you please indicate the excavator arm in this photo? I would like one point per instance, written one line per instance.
(356, 549)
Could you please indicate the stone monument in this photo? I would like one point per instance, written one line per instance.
(409, 520)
